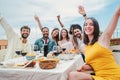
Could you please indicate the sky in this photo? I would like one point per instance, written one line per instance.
(21, 12)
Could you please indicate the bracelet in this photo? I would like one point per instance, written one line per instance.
(84, 15)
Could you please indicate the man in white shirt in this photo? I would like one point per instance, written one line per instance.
(15, 42)
(77, 37)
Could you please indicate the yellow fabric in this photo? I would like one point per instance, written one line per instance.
(103, 62)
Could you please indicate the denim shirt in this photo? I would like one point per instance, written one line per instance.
(40, 43)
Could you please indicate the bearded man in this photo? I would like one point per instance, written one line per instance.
(15, 42)
(45, 42)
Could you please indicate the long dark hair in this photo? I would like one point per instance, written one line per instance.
(95, 33)
(57, 37)
(70, 30)
(67, 36)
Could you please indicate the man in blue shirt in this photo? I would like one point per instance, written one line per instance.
(45, 42)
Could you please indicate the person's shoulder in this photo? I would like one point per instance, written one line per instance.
(40, 39)
(51, 40)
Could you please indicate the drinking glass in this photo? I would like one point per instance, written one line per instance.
(56, 50)
(35, 48)
(24, 53)
(42, 50)
(63, 49)
(18, 51)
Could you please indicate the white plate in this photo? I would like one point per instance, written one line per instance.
(66, 56)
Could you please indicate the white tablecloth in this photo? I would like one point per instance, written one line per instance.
(59, 73)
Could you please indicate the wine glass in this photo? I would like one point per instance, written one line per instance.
(24, 53)
(56, 50)
(35, 48)
(18, 51)
(63, 49)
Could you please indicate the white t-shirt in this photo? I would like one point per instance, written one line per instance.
(14, 40)
(80, 43)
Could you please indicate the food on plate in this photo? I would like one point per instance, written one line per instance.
(30, 64)
(20, 64)
(66, 56)
(30, 56)
(72, 50)
(26, 64)
(40, 59)
(50, 55)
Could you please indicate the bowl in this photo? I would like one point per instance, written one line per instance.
(30, 56)
(66, 56)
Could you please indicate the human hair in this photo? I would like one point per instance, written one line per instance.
(67, 36)
(45, 28)
(57, 37)
(25, 27)
(95, 33)
(76, 26)
(71, 28)
(54, 30)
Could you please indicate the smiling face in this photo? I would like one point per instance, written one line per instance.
(64, 34)
(25, 33)
(77, 33)
(55, 33)
(45, 33)
(91, 31)
(89, 27)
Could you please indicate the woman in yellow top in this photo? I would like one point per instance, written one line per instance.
(97, 54)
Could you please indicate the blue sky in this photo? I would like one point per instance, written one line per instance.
(21, 12)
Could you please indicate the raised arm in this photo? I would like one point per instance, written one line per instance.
(107, 34)
(82, 12)
(38, 21)
(61, 24)
(8, 29)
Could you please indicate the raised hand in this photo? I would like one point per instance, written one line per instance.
(58, 17)
(61, 24)
(36, 18)
(38, 21)
(81, 10)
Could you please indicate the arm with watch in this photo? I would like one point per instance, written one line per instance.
(82, 12)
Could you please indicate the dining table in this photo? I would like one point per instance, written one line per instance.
(60, 72)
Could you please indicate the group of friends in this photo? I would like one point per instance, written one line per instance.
(98, 56)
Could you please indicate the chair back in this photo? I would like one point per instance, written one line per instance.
(116, 52)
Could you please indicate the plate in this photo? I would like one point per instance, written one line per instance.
(5, 66)
(66, 56)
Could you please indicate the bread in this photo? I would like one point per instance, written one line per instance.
(47, 64)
